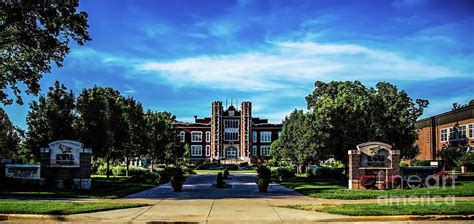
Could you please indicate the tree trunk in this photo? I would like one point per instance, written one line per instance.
(108, 168)
(151, 162)
(128, 166)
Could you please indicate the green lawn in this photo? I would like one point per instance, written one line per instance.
(114, 187)
(381, 209)
(59, 208)
(334, 189)
(222, 171)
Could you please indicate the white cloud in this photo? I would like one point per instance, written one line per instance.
(290, 65)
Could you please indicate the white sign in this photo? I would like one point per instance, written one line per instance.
(23, 171)
(65, 153)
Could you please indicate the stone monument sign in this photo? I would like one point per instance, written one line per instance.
(67, 164)
(374, 159)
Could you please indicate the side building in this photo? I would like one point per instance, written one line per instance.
(436, 132)
(230, 135)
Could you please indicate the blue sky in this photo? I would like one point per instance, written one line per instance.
(178, 56)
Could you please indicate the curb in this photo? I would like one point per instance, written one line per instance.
(4, 217)
(399, 218)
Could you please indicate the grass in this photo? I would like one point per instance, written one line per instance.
(334, 189)
(384, 209)
(114, 187)
(59, 208)
(222, 171)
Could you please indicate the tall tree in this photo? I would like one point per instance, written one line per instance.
(10, 136)
(164, 144)
(52, 118)
(136, 131)
(32, 35)
(350, 114)
(299, 141)
(101, 123)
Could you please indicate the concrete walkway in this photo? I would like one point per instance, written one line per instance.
(200, 202)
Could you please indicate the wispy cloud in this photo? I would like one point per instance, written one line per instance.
(288, 64)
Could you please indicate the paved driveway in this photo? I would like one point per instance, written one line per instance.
(200, 187)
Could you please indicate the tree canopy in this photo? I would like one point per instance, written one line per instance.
(10, 136)
(344, 114)
(32, 35)
(52, 118)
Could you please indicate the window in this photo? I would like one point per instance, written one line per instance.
(254, 137)
(452, 134)
(462, 132)
(265, 136)
(182, 136)
(208, 150)
(444, 135)
(254, 150)
(196, 150)
(265, 150)
(471, 131)
(231, 130)
(196, 136)
(208, 136)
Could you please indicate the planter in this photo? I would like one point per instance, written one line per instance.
(177, 187)
(263, 185)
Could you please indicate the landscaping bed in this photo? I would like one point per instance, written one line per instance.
(385, 209)
(59, 208)
(335, 189)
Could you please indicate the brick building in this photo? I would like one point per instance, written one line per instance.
(435, 132)
(229, 135)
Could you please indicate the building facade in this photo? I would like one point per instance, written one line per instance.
(229, 135)
(436, 132)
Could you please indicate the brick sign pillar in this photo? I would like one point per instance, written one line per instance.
(373, 159)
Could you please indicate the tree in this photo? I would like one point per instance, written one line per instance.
(456, 148)
(164, 144)
(101, 123)
(52, 118)
(32, 35)
(135, 132)
(350, 114)
(299, 142)
(10, 136)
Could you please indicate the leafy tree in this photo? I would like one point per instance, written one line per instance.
(455, 149)
(350, 114)
(163, 141)
(52, 118)
(101, 123)
(10, 136)
(135, 132)
(32, 35)
(299, 141)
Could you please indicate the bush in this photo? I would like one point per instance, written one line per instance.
(368, 182)
(167, 173)
(147, 177)
(420, 163)
(404, 164)
(220, 180)
(466, 160)
(450, 155)
(285, 172)
(334, 164)
(326, 172)
(226, 174)
(392, 182)
(122, 170)
(189, 171)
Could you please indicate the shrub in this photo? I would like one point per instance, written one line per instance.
(392, 182)
(263, 178)
(122, 170)
(167, 173)
(404, 164)
(420, 163)
(147, 177)
(368, 182)
(285, 172)
(326, 172)
(334, 164)
(177, 179)
(466, 160)
(451, 154)
(440, 178)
